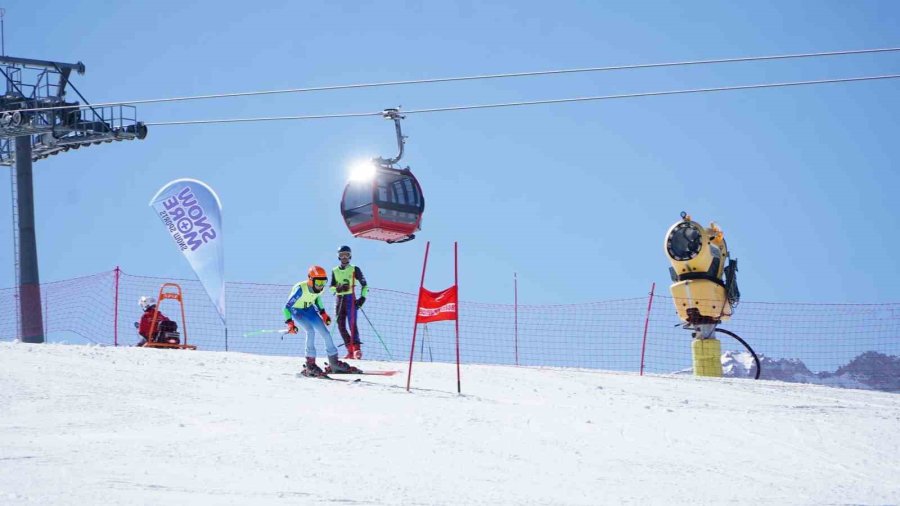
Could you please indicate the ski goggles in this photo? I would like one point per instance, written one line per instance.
(344, 256)
(319, 282)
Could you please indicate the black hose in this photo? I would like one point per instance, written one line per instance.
(755, 358)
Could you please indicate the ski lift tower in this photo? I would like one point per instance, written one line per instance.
(36, 121)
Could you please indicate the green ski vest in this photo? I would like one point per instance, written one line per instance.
(301, 298)
(345, 277)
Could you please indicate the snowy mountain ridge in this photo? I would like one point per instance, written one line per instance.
(868, 371)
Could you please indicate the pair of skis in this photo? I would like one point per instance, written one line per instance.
(373, 373)
(361, 373)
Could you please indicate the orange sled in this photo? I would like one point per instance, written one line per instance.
(166, 338)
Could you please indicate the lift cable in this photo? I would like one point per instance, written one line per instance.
(487, 76)
(531, 102)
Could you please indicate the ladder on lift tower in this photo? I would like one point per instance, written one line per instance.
(14, 192)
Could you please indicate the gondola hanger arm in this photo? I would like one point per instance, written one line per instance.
(394, 115)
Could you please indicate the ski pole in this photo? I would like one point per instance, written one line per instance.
(265, 331)
(376, 333)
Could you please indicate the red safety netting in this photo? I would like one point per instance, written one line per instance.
(605, 335)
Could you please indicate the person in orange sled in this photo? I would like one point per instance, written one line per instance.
(305, 308)
(163, 323)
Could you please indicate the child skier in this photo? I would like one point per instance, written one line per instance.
(305, 308)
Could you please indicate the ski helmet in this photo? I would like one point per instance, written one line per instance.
(344, 249)
(146, 302)
(317, 278)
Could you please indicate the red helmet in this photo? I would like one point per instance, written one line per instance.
(317, 278)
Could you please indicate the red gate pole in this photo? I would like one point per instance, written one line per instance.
(646, 324)
(412, 349)
(456, 284)
(116, 311)
(516, 313)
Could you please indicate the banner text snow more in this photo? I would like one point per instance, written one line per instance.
(186, 220)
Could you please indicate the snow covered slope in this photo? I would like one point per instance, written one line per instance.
(93, 425)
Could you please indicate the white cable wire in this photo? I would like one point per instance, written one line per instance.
(535, 102)
(479, 77)
(266, 118)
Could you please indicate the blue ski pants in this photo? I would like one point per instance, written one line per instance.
(311, 322)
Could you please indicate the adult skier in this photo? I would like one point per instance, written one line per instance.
(305, 308)
(344, 279)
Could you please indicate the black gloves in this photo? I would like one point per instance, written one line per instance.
(360, 301)
(291, 326)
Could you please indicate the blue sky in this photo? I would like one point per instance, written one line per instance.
(575, 198)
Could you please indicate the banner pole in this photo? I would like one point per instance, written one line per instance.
(456, 284)
(412, 349)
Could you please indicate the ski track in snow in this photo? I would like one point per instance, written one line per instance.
(100, 425)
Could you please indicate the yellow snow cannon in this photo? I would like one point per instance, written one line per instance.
(704, 288)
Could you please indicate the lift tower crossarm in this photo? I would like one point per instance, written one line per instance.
(47, 64)
(55, 125)
(64, 69)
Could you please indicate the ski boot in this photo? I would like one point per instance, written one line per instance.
(357, 353)
(335, 366)
(311, 370)
(351, 351)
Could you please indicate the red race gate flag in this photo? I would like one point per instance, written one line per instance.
(436, 306)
